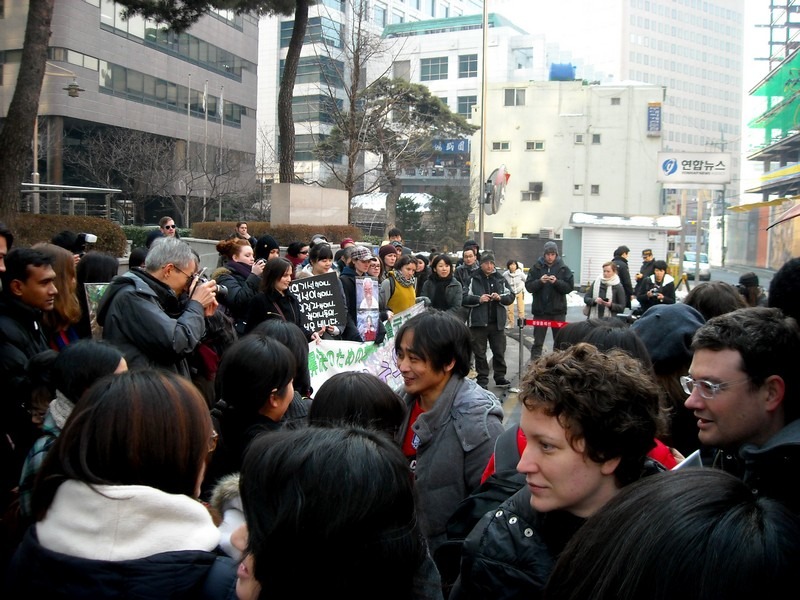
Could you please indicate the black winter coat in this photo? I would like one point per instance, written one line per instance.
(549, 298)
(624, 277)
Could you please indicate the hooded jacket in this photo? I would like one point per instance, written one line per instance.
(550, 298)
(150, 325)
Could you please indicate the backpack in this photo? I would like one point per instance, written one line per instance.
(498, 487)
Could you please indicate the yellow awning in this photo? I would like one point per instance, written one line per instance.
(753, 205)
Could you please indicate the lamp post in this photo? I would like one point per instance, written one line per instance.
(73, 91)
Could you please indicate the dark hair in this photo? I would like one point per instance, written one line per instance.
(604, 334)
(659, 264)
(66, 306)
(768, 342)
(512, 262)
(82, 363)
(403, 260)
(784, 289)
(273, 271)
(291, 336)
(608, 399)
(356, 398)
(338, 497)
(240, 223)
(394, 232)
(439, 338)
(164, 220)
(17, 262)
(149, 428)
(294, 248)
(694, 534)
(621, 250)
(137, 257)
(714, 298)
(440, 258)
(320, 251)
(5, 232)
(94, 267)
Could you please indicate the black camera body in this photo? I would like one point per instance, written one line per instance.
(222, 291)
(655, 290)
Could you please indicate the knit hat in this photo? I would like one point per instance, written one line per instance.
(550, 247)
(386, 250)
(487, 257)
(361, 253)
(346, 241)
(470, 245)
(264, 245)
(667, 331)
(317, 238)
(748, 280)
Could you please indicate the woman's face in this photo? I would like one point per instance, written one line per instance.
(408, 270)
(374, 268)
(245, 256)
(443, 269)
(323, 265)
(512, 267)
(607, 272)
(390, 259)
(247, 587)
(283, 283)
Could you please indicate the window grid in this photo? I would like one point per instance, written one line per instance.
(432, 69)
(467, 66)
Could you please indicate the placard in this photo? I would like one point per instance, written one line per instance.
(321, 300)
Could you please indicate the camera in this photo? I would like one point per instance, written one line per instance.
(655, 290)
(222, 291)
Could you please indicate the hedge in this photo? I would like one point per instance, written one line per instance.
(30, 229)
(283, 234)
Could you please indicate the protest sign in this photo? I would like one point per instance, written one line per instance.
(320, 300)
(94, 291)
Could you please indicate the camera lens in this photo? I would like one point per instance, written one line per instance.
(221, 290)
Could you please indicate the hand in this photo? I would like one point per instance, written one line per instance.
(205, 293)
(485, 298)
(639, 276)
(552, 278)
(495, 296)
(258, 267)
(209, 310)
(545, 279)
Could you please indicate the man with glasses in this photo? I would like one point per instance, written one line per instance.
(156, 315)
(166, 228)
(743, 390)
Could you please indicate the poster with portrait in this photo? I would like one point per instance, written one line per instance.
(94, 291)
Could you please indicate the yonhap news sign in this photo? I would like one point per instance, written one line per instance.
(694, 167)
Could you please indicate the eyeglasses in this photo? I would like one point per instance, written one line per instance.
(212, 441)
(170, 226)
(707, 389)
(646, 255)
(303, 252)
(188, 277)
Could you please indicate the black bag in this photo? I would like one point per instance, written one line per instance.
(498, 487)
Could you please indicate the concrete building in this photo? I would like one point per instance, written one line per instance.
(570, 147)
(198, 86)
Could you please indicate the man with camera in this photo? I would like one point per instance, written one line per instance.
(156, 315)
(659, 288)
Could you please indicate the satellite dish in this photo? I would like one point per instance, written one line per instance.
(495, 190)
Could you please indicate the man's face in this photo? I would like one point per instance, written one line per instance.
(180, 279)
(736, 414)
(419, 377)
(242, 229)
(647, 256)
(3, 252)
(367, 288)
(469, 257)
(169, 228)
(487, 267)
(39, 289)
(550, 257)
(559, 476)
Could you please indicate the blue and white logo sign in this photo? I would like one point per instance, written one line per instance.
(694, 167)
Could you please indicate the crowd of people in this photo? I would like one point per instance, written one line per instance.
(170, 444)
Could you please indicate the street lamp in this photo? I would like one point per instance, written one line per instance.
(73, 90)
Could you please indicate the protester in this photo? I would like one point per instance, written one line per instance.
(442, 288)
(296, 253)
(549, 281)
(784, 289)
(702, 536)
(361, 256)
(292, 337)
(621, 261)
(166, 228)
(645, 271)
(243, 234)
(743, 390)
(451, 423)
(714, 298)
(116, 505)
(241, 276)
(60, 324)
(156, 315)
(423, 272)
(95, 267)
(388, 256)
(751, 291)
(658, 289)
(341, 499)
(267, 248)
(487, 295)
(606, 296)
(589, 419)
(515, 277)
(398, 290)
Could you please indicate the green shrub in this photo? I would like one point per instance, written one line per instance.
(30, 229)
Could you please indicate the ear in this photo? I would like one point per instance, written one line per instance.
(609, 466)
(449, 366)
(16, 287)
(776, 390)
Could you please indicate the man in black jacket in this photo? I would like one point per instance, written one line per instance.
(645, 271)
(621, 260)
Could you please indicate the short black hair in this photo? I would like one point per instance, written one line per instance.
(5, 232)
(18, 261)
(439, 337)
(394, 231)
(661, 265)
(785, 287)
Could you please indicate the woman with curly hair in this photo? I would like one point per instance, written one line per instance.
(241, 275)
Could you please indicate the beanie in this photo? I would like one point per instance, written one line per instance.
(667, 331)
(550, 247)
(487, 257)
(386, 250)
(749, 280)
(347, 241)
(264, 245)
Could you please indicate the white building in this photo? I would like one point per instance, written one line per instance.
(569, 148)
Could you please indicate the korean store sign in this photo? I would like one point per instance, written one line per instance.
(694, 167)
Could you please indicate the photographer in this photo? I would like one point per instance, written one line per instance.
(659, 287)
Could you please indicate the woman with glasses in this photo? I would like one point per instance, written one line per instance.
(116, 504)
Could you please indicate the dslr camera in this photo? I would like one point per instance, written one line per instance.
(222, 291)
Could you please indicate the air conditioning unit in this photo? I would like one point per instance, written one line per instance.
(547, 232)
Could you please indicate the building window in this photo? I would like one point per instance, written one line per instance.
(398, 17)
(534, 191)
(595, 190)
(615, 101)
(535, 145)
(531, 196)
(468, 66)
(514, 97)
(379, 15)
(501, 146)
(401, 69)
(577, 189)
(595, 138)
(465, 104)
(432, 69)
(578, 138)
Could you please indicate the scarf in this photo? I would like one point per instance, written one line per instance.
(439, 299)
(594, 311)
(405, 282)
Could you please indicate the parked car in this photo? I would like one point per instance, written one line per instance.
(690, 265)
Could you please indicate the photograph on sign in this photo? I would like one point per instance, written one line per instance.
(367, 293)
